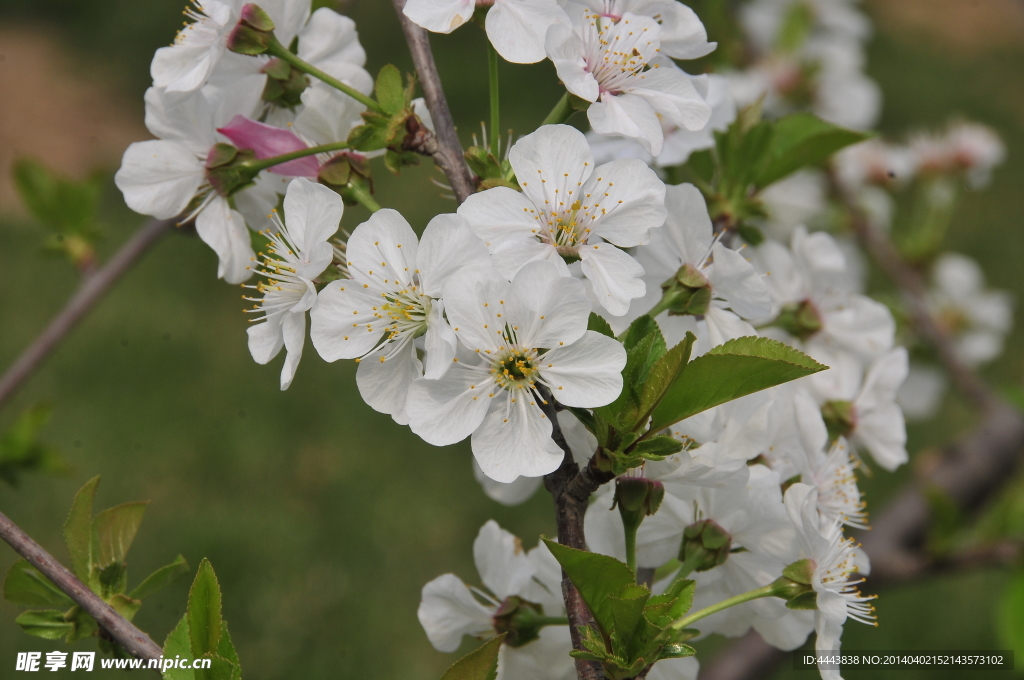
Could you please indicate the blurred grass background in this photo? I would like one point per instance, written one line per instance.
(322, 518)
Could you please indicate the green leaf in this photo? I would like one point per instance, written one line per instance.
(480, 664)
(644, 346)
(63, 205)
(803, 140)
(597, 577)
(673, 603)
(45, 623)
(664, 373)
(641, 327)
(113, 579)
(178, 644)
(395, 160)
(220, 669)
(1010, 614)
(204, 611)
(26, 585)
(730, 371)
(226, 650)
(389, 90)
(21, 449)
(160, 578)
(115, 530)
(599, 325)
(82, 624)
(78, 532)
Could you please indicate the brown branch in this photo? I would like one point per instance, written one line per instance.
(89, 293)
(570, 508)
(120, 629)
(448, 154)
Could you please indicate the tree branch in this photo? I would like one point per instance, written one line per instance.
(570, 507)
(448, 154)
(120, 629)
(89, 293)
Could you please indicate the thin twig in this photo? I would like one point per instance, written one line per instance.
(448, 155)
(89, 293)
(120, 629)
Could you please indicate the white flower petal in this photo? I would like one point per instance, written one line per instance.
(587, 373)
(517, 28)
(513, 493)
(550, 162)
(634, 202)
(439, 16)
(159, 178)
(448, 410)
(312, 213)
(265, 339)
(565, 50)
(545, 308)
(629, 116)
(339, 319)
(734, 280)
(501, 560)
(671, 93)
(473, 298)
(328, 37)
(883, 432)
(293, 328)
(500, 213)
(384, 385)
(616, 276)
(448, 244)
(439, 342)
(224, 230)
(515, 441)
(448, 611)
(382, 250)
(688, 223)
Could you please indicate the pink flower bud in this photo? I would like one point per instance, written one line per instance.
(267, 141)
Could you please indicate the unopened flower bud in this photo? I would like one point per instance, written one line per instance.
(344, 172)
(285, 84)
(521, 619)
(800, 319)
(840, 418)
(706, 545)
(254, 32)
(689, 290)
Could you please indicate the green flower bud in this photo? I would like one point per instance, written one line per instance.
(254, 32)
(689, 292)
(285, 84)
(706, 545)
(638, 496)
(800, 319)
(794, 586)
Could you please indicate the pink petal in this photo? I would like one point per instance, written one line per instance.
(267, 141)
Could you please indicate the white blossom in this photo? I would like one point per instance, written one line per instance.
(570, 209)
(527, 334)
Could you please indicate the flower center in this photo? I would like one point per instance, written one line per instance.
(404, 311)
(616, 51)
(515, 369)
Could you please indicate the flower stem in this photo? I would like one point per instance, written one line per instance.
(492, 72)
(552, 620)
(770, 590)
(359, 193)
(284, 54)
(561, 112)
(631, 546)
(265, 163)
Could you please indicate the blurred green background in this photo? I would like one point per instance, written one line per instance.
(322, 518)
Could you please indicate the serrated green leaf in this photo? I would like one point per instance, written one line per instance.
(48, 624)
(78, 532)
(63, 205)
(597, 578)
(628, 618)
(480, 664)
(641, 327)
(82, 624)
(730, 371)
(26, 585)
(178, 644)
(673, 603)
(389, 89)
(803, 140)
(160, 578)
(599, 325)
(220, 669)
(204, 611)
(226, 649)
(640, 358)
(115, 530)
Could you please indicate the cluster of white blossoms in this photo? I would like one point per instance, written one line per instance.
(481, 327)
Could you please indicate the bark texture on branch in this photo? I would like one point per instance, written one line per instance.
(93, 288)
(120, 629)
(448, 154)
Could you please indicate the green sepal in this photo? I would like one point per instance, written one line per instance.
(396, 160)
(808, 600)
(657, 448)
